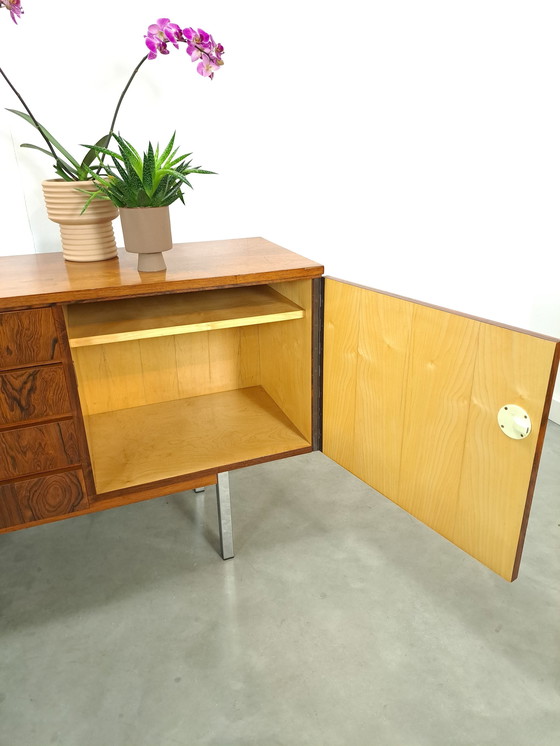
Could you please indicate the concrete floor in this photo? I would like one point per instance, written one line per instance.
(341, 621)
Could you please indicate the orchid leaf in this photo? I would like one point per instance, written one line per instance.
(92, 152)
(63, 169)
(47, 135)
(37, 147)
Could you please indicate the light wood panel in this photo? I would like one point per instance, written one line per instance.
(438, 383)
(498, 474)
(382, 357)
(133, 374)
(157, 441)
(166, 315)
(40, 279)
(411, 396)
(286, 357)
(340, 361)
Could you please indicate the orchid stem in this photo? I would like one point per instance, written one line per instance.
(28, 110)
(127, 86)
(119, 102)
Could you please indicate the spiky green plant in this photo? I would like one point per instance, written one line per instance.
(153, 179)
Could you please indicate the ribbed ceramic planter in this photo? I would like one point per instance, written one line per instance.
(85, 238)
(147, 232)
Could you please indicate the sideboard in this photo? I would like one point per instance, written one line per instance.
(118, 386)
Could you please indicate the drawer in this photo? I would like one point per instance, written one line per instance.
(28, 337)
(30, 450)
(33, 394)
(42, 498)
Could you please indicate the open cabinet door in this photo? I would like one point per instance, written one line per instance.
(411, 395)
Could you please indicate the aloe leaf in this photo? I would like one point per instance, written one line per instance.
(199, 171)
(101, 149)
(94, 195)
(168, 148)
(149, 170)
(133, 175)
(123, 173)
(92, 152)
(180, 176)
(177, 160)
(171, 156)
(128, 150)
(47, 135)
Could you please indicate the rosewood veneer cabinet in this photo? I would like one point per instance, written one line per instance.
(117, 387)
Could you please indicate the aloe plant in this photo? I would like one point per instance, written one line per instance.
(154, 179)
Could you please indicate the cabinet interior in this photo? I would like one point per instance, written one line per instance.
(176, 384)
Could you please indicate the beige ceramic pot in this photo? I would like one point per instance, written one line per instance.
(85, 238)
(147, 232)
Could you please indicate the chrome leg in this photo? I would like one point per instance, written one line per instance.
(224, 515)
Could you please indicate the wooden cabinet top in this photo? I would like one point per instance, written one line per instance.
(38, 279)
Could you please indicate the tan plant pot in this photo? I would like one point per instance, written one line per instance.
(147, 232)
(85, 238)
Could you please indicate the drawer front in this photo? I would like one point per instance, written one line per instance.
(28, 337)
(33, 394)
(30, 450)
(42, 498)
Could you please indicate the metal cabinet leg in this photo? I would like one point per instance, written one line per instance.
(224, 515)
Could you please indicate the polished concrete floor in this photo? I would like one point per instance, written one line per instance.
(341, 621)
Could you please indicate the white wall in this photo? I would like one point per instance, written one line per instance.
(412, 146)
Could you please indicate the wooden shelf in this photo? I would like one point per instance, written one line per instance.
(157, 441)
(158, 316)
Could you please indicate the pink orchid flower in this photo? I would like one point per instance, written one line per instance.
(160, 34)
(207, 66)
(14, 6)
(200, 45)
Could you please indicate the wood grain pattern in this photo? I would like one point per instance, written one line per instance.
(38, 279)
(27, 337)
(144, 444)
(286, 358)
(115, 500)
(167, 315)
(72, 388)
(147, 492)
(342, 325)
(384, 330)
(410, 406)
(497, 477)
(30, 394)
(42, 498)
(29, 450)
(133, 374)
(442, 354)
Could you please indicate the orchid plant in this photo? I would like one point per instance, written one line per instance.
(201, 48)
